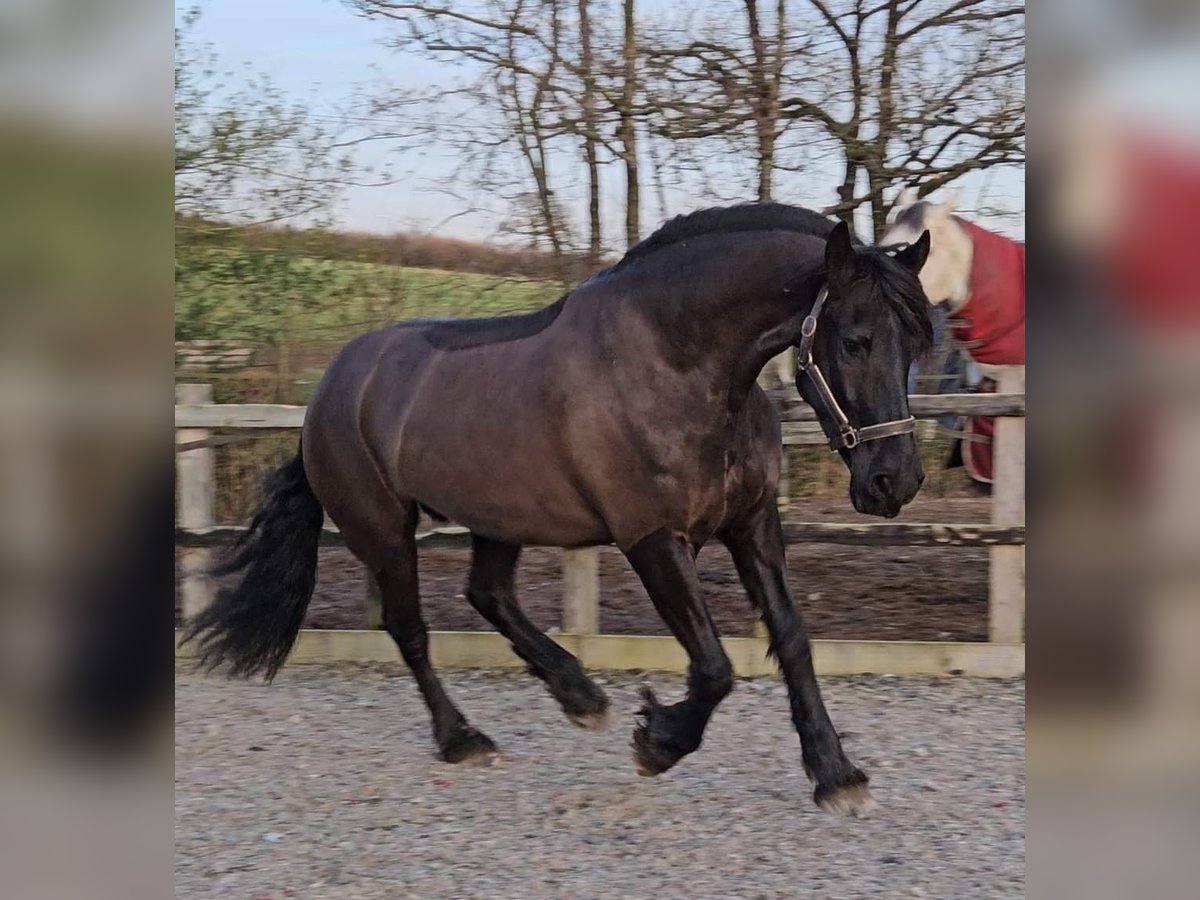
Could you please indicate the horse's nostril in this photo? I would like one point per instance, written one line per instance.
(882, 485)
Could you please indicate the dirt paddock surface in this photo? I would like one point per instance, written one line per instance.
(864, 593)
(324, 785)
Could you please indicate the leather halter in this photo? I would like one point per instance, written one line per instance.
(848, 436)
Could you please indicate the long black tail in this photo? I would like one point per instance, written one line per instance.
(250, 628)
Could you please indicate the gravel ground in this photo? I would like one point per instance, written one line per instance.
(324, 785)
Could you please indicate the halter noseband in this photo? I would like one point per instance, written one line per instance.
(847, 436)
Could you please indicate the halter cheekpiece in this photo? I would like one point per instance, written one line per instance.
(848, 436)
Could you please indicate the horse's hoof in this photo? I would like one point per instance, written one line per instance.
(850, 799)
(593, 721)
(468, 747)
(643, 768)
(583, 703)
(650, 757)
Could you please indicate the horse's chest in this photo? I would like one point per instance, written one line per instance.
(732, 470)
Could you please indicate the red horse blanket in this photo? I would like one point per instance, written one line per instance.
(978, 432)
(992, 323)
(1151, 259)
(991, 327)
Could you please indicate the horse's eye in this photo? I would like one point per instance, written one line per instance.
(851, 346)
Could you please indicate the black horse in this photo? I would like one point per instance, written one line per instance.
(627, 412)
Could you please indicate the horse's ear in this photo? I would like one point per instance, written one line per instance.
(949, 201)
(839, 254)
(907, 198)
(914, 255)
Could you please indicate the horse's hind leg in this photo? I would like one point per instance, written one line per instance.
(457, 741)
(490, 589)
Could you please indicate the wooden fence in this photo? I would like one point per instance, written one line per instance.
(196, 417)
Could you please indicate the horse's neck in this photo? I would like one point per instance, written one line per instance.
(959, 256)
(758, 345)
(728, 314)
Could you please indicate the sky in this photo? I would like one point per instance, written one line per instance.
(320, 53)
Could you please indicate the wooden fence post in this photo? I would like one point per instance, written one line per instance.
(1006, 606)
(581, 591)
(783, 493)
(194, 480)
(372, 604)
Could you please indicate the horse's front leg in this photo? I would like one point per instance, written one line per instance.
(667, 566)
(757, 549)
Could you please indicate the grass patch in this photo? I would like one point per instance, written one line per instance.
(816, 472)
(271, 298)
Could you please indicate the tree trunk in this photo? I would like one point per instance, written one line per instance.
(589, 133)
(764, 100)
(628, 127)
(845, 191)
(878, 210)
(529, 132)
(877, 174)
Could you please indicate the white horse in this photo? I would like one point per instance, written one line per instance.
(979, 277)
(955, 275)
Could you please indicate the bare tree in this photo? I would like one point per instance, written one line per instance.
(516, 48)
(628, 127)
(590, 132)
(247, 156)
(527, 120)
(902, 91)
(873, 94)
(556, 81)
(935, 90)
(726, 86)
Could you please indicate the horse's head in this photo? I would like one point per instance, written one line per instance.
(946, 274)
(854, 361)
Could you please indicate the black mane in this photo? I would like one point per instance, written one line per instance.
(732, 219)
(902, 292)
(899, 288)
(461, 334)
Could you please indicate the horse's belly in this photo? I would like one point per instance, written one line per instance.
(503, 482)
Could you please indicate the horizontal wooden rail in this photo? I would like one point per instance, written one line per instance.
(924, 406)
(652, 653)
(885, 535)
(223, 535)
(270, 415)
(238, 415)
(906, 535)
